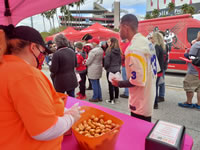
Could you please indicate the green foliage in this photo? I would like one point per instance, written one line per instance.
(191, 10)
(184, 8)
(116, 30)
(44, 35)
(148, 16)
(52, 31)
(171, 8)
(188, 9)
(155, 13)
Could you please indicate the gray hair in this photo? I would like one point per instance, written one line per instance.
(61, 41)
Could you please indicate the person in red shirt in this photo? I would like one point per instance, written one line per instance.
(32, 113)
(87, 48)
(81, 69)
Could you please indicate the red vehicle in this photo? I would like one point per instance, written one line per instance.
(179, 32)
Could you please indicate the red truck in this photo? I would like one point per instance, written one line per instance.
(179, 32)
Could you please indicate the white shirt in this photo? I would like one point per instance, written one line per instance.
(141, 68)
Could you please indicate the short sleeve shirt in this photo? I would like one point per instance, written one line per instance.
(29, 105)
(141, 69)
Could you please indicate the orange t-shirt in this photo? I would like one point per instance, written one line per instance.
(29, 105)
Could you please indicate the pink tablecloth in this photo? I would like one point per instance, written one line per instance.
(132, 134)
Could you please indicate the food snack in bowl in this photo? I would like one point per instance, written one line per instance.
(96, 130)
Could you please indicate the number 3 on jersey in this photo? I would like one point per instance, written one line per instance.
(133, 75)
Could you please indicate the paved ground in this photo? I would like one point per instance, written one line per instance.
(168, 110)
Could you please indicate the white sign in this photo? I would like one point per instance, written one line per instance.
(166, 132)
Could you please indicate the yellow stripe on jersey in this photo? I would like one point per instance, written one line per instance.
(142, 61)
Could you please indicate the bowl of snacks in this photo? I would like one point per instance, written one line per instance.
(96, 130)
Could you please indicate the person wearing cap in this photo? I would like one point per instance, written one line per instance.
(94, 64)
(32, 113)
(63, 67)
(87, 48)
(81, 69)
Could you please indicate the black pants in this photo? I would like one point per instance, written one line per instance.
(141, 117)
(70, 93)
(82, 83)
(112, 89)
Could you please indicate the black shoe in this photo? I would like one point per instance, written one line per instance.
(100, 100)
(155, 106)
(89, 88)
(123, 96)
(161, 99)
(93, 100)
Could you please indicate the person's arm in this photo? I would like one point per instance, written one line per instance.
(33, 101)
(137, 66)
(90, 58)
(63, 124)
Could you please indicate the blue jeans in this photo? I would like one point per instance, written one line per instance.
(124, 78)
(162, 87)
(156, 98)
(96, 89)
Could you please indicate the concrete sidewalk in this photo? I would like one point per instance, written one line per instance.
(168, 110)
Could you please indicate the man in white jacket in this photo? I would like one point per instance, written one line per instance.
(141, 68)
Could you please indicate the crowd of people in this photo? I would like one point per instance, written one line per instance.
(32, 113)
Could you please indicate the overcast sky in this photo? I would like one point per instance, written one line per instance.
(137, 7)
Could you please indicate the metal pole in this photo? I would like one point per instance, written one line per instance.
(32, 22)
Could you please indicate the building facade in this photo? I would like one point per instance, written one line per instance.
(162, 5)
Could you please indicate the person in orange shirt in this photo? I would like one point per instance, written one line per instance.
(32, 113)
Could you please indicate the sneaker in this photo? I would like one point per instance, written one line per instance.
(155, 106)
(197, 106)
(78, 93)
(186, 105)
(93, 100)
(110, 102)
(161, 99)
(123, 96)
(81, 97)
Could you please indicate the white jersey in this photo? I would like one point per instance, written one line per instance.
(141, 68)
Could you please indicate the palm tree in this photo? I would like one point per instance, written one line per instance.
(48, 16)
(78, 4)
(69, 14)
(63, 11)
(171, 7)
(191, 10)
(155, 13)
(43, 16)
(184, 8)
(52, 13)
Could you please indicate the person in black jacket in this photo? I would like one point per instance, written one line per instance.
(63, 67)
(158, 41)
(112, 63)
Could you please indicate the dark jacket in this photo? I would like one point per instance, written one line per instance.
(112, 60)
(166, 57)
(159, 54)
(62, 70)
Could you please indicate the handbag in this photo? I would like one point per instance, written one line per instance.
(196, 60)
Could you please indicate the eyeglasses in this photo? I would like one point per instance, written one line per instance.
(43, 52)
